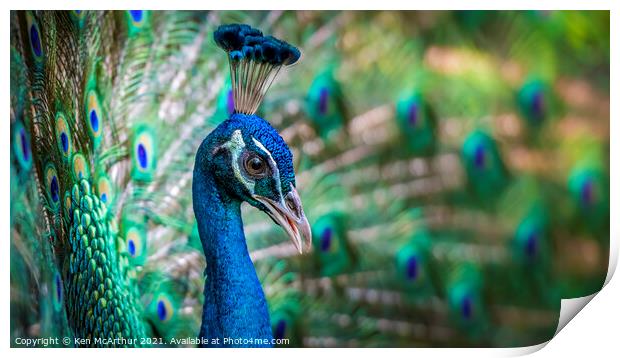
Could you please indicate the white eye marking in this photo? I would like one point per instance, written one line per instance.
(276, 172)
(236, 145)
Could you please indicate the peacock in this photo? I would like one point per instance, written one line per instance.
(453, 166)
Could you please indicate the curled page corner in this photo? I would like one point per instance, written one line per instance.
(569, 308)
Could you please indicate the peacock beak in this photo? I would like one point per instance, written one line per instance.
(289, 214)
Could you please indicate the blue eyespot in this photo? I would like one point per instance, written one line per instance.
(24, 144)
(136, 15)
(144, 154)
(131, 247)
(52, 185)
(54, 189)
(94, 120)
(64, 141)
(137, 20)
(105, 189)
(480, 157)
(587, 192)
(280, 330)
(34, 35)
(62, 136)
(58, 292)
(467, 307)
(80, 167)
(78, 17)
(326, 239)
(95, 117)
(142, 158)
(58, 288)
(162, 307)
(161, 310)
(21, 146)
(135, 241)
(412, 116)
(35, 40)
(538, 105)
(531, 246)
(412, 268)
(323, 100)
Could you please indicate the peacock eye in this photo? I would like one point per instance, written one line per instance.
(255, 166)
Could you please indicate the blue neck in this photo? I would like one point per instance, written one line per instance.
(235, 305)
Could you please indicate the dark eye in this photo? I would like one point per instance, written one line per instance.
(255, 166)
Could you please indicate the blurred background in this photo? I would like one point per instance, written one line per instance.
(453, 165)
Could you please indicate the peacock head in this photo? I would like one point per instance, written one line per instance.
(252, 163)
(246, 154)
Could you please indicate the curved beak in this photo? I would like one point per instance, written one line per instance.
(289, 214)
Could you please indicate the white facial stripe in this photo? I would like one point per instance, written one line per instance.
(235, 145)
(276, 174)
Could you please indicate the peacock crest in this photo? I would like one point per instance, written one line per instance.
(254, 60)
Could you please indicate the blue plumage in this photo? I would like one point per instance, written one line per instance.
(243, 159)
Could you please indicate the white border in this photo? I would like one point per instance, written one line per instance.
(592, 330)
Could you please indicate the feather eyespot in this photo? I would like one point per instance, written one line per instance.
(137, 20)
(161, 310)
(531, 246)
(131, 243)
(131, 247)
(143, 154)
(63, 136)
(538, 105)
(136, 15)
(78, 16)
(142, 157)
(79, 167)
(35, 40)
(94, 116)
(21, 146)
(480, 157)
(52, 185)
(413, 114)
(467, 309)
(134, 239)
(68, 204)
(104, 189)
(57, 291)
(94, 120)
(164, 308)
(280, 329)
(34, 35)
(323, 104)
(326, 239)
(588, 192)
(413, 268)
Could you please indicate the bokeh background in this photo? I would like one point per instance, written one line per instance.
(454, 166)
(468, 160)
